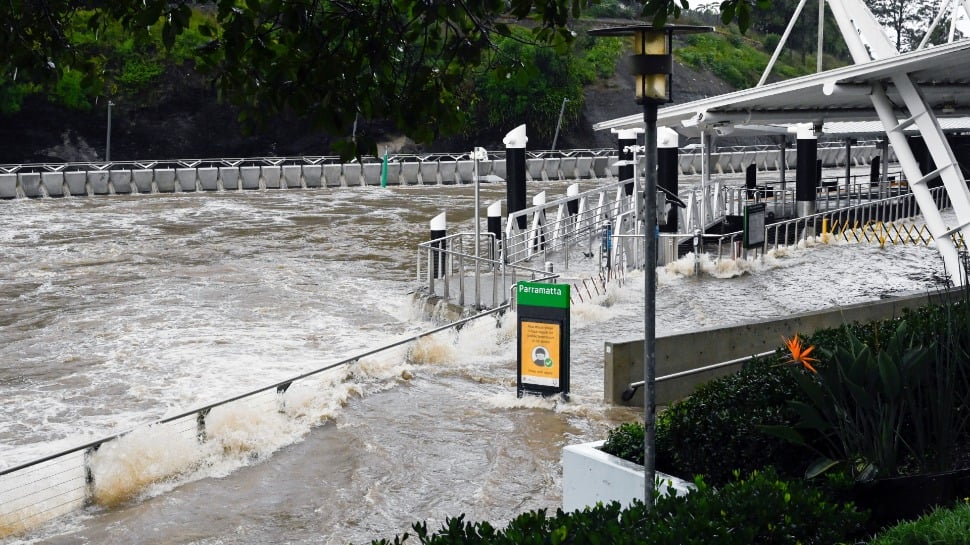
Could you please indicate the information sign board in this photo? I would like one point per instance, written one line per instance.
(754, 225)
(543, 338)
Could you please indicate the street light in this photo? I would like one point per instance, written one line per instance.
(651, 67)
(479, 154)
(107, 145)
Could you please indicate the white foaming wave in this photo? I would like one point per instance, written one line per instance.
(126, 466)
(510, 400)
(155, 459)
(303, 400)
(382, 370)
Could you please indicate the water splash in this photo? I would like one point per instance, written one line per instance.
(126, 466)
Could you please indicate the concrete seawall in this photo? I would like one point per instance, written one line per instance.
(623, 360)
(36, 181)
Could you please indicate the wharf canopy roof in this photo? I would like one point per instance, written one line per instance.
(942, 73)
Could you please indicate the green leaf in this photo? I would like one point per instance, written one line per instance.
(819, 467)
(889, 375)
(810, 417)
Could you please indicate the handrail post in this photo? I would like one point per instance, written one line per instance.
(431, 271)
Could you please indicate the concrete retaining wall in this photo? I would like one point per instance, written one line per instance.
(623, 360)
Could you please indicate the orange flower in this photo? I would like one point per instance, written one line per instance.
(799, 354)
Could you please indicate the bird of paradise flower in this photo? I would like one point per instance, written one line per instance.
(800, 354)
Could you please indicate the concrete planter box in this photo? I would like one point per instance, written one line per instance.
(590, 475)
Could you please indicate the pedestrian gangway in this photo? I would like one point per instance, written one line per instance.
(601, 226)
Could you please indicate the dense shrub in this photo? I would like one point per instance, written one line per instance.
(931, 425)
(72, 91)
(941, 527)
(758, 509)
(626, 441)
(718, 429)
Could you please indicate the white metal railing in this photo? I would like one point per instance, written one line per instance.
(571, 220)
(783, 233)
(449, 264)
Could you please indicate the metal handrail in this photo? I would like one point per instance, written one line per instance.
(451, 263)
(280, 386)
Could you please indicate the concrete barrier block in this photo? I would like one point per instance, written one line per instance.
(393, 173)
(485, 168)
(584, 167)
(567, 167)
(76, 181)
(372, 173)
(685, 162)
(410, 172)
(466, 172)
(533, 169)
(760, 161)
(98, 181)
(293, 176)
(332, 174)
(229, 177)
(8, 186)
(352, 174)
(312, 176)
(447, 171)
(429, 172)
(249, 177)
(551, 168)
(143, 178)
(30, 184)
(613, 168)
(272, 177)
(53, 183)
(208, 178)
(187, 179)
(601, 167)
(165, 180)
(499, 168)
(120, 181)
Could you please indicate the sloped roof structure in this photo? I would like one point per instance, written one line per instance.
(942, 73)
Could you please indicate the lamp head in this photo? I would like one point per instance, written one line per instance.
(652, 57)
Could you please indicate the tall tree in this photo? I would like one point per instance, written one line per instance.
(906, 21)
(332, 61)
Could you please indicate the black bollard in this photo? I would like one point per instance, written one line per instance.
(668, 170)
(515, 142)
(625, 139)
(806, 173)
(439, 230)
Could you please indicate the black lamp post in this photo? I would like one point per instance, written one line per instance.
(651, 66)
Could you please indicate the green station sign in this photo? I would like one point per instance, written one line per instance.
(540, 294)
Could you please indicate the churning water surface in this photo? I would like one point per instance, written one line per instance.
(117, 311)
